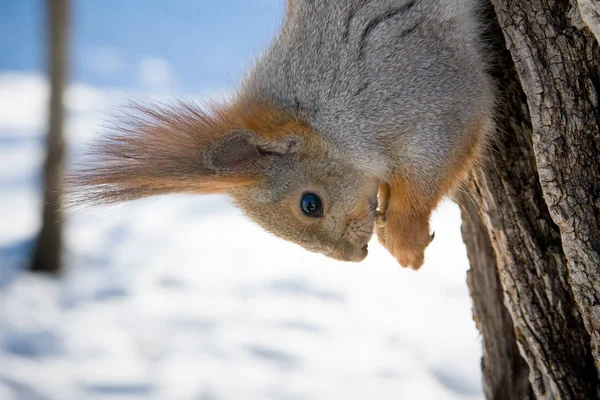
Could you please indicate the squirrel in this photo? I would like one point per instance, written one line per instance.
(355, 105)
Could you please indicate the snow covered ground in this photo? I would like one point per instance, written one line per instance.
(184, 298)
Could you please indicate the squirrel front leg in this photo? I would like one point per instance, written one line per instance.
(403, 222)
(409, 198)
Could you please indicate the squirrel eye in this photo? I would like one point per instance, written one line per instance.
(311, 205)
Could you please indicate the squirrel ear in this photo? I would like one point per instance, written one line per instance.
(162, 150)
(246, 152)
(234, 153)
(181, 149)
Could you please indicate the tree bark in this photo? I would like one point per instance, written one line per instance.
(538, 200)
(505, 372)
(47, 256)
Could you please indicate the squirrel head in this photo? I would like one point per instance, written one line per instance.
(283, 175)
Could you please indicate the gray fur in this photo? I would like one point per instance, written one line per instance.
(391, 83)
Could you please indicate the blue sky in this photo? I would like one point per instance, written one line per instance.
(206, 43)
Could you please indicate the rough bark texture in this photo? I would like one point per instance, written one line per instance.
(47, 256)
(539, 201)
(505, 372)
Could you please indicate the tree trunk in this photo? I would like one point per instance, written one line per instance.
(531, 214)
(47, 256)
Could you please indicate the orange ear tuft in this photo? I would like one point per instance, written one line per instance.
(181, 149)
(152, 151)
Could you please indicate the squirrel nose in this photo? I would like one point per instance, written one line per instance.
(356, 254)
(362, 253)
(349, 252)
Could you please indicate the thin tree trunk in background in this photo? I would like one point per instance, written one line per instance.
(537, 203)
(47, 257)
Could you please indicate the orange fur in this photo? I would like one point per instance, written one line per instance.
(468, 155)
(406, 230)
(160, 150)
(408, 207)
(263, 119)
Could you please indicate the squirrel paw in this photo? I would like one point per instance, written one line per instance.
(405, 239)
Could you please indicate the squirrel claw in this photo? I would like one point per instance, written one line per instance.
(432, 237)
(380, 219)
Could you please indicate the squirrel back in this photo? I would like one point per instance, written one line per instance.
(367, 74)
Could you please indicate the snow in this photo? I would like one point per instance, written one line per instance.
(184, 298)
